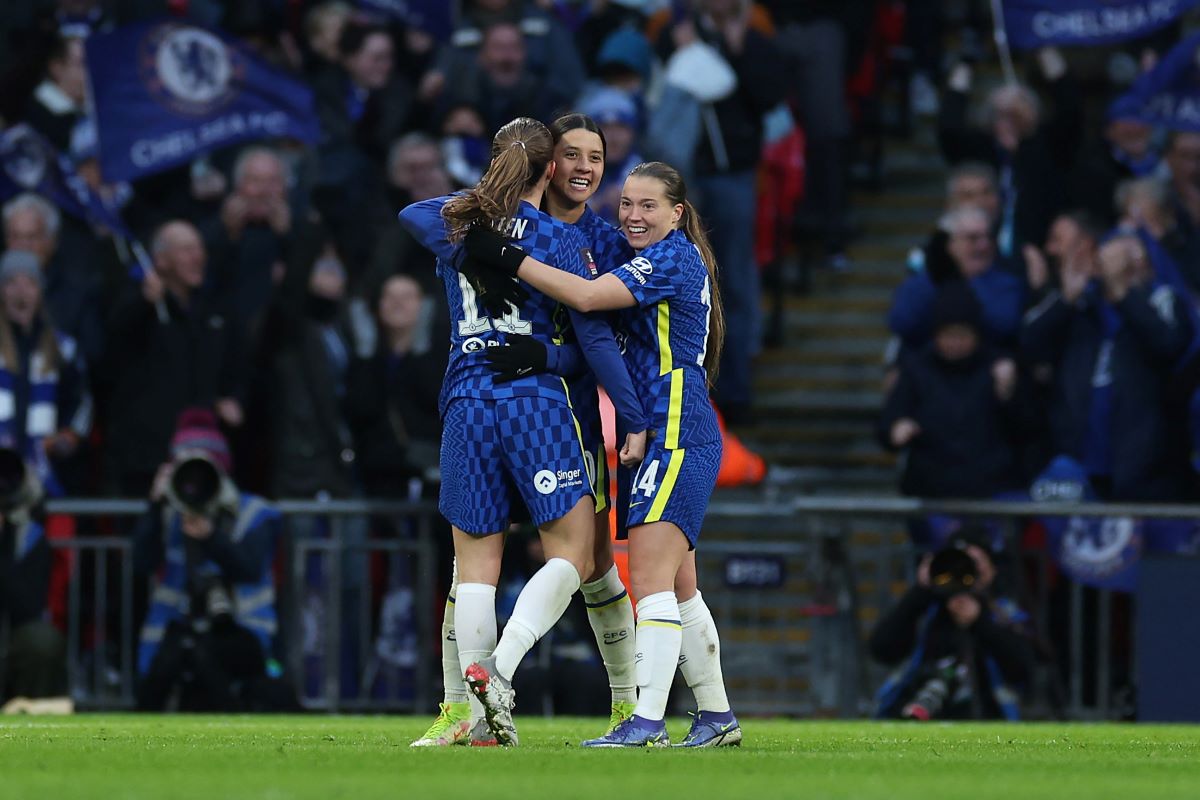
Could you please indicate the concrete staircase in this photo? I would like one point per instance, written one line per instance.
(819, 394)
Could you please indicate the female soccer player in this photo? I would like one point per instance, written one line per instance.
(499, 436)
(673, 344)
(579, 152)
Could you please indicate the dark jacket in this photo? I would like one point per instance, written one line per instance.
(158, 368)
(1036, 175)
(24, 575)
(393, 406)
(896, 637)
(1001, 297)
(301, 382)
(1147, 457)
(740, 116)
(966, 447)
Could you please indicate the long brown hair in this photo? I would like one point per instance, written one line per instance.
(47, 346)
(693, 228)
(520, 152)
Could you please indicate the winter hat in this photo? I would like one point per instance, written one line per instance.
(611, 105)
(626, 47)
(196, 431)
(19, 262)
(956, 304)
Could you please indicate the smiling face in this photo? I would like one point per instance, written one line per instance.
(646, 214)
(22, 297)
(579, 166)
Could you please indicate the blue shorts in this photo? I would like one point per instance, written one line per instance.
(494, 451)
(668, 486)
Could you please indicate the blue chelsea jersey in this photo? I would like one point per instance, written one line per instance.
(667, 339)
(471, 330)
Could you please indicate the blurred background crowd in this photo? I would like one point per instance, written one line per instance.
(1044, 334)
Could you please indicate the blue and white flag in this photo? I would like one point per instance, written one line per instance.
(29, 163)
(1086, 23)
(168, 91)
(1168, 95)
(435, 17)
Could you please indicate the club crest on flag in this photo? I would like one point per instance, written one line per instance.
(188, 69)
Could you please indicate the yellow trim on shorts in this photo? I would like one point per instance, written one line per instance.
(665, 361)
(598, 485)
(578, 435)
(663, 496)
(674, 410)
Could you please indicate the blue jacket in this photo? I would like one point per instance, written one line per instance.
(1001, 298)
(1148, 459)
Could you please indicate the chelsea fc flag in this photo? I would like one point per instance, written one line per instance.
(167, 91)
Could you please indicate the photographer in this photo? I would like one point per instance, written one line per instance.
(210, 628)
(956, 645)
(33, 663)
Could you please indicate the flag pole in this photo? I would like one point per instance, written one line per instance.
(1000, 34)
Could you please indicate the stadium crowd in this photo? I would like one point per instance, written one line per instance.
(1053, 312)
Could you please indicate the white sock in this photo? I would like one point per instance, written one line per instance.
(540, 604)
(657, 644)
(453, 688)
(475, 629)
(611, 614)
(700, 656)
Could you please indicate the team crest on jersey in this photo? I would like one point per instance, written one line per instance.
(590, 260)
(189, 70)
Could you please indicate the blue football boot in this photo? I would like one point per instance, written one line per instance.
(634, 732)
(713, 729)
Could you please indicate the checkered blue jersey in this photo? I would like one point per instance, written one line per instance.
(667, 339)
(544, 238)
(609, 250)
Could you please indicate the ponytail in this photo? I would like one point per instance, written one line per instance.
(693, 228)
(520, 152)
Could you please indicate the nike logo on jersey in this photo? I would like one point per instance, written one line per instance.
(524, 371)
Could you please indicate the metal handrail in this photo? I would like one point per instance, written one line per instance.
(835, 505)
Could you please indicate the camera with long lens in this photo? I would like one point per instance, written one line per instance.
(952, 571)
(20, 489)
(196, 486)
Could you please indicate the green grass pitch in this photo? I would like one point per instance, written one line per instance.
(117, 757)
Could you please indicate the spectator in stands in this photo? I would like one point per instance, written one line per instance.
(973, 183)
(1109, 340)
(211, 626)
(1071, 248)
(34, 666)
(45, 402)
(466, 146)
(305, 354)
(969, 254)
(1183, 162)
(813, 39)
(249, 239)
(363, 108)
(323, 26)
(393, 394)
(59, 100)
(173, 345)
(71, 280)
(1024, 146)
(416, 171)
(959, 649)
(955, 409)
(726, 158)
(547, 49)
(501, 83)
(1124, 150)
(617, 115)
